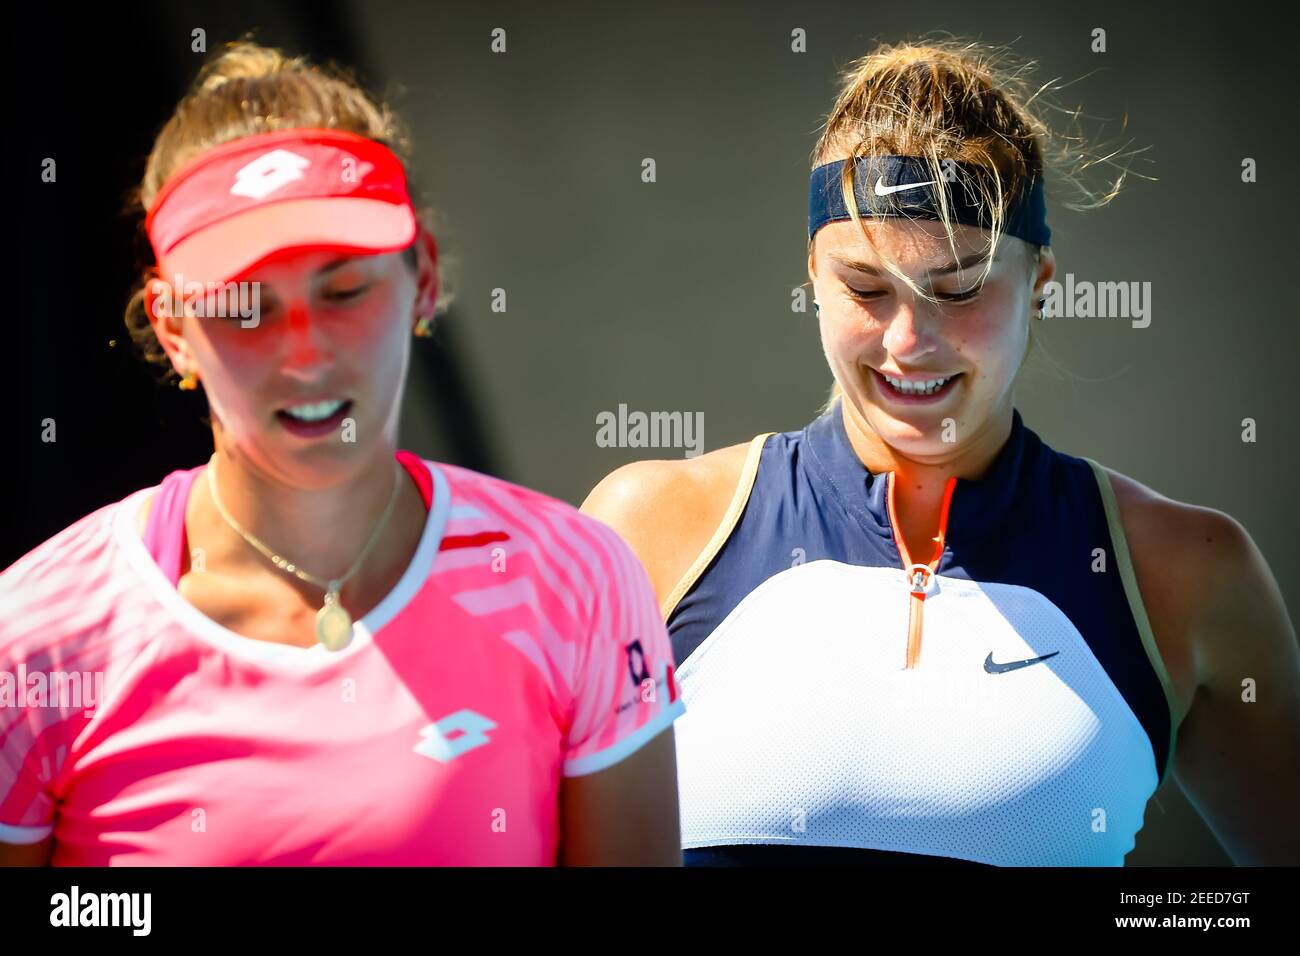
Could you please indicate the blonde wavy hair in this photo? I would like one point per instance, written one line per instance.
(955, 100)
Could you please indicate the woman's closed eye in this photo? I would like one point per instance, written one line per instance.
(867, 295)
(959, 296)
(347, 293)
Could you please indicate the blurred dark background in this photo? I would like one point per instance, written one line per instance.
(676, 295)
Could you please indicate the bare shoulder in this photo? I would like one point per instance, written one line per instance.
(1203, 537)
(1188, 560)
(667, 510)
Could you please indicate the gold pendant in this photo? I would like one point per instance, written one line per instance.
(333, 624)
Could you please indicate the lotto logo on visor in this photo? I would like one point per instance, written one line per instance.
(244, 201)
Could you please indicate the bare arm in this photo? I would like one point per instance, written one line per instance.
(1219, 620)
(27, 854)
(1238, 751)
(624, 815)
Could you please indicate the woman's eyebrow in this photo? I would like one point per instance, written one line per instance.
(961, 265)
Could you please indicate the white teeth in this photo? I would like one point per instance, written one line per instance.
(916, 388)
(315, 411)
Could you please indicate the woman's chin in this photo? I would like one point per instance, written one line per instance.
(919, 434)
(913, 440)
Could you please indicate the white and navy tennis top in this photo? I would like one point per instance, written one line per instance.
(1013, 711)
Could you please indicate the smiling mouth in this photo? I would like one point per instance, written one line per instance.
(915, 389)
(314, 418)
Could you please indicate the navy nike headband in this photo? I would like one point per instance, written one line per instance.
(900, 186)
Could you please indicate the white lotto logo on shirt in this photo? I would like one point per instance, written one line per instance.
(454, 735)
(267, 173)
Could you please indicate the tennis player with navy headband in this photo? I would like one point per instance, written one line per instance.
(317, 648)
(912, 632)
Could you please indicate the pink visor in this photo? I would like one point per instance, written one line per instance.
(241, 202)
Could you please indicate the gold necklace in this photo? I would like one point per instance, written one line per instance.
(333, 623)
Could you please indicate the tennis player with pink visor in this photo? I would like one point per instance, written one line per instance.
(244, 201)
(317, 648)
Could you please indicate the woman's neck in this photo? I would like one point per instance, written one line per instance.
(919, 484)
(321, 530)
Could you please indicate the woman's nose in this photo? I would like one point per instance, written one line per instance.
(908, 335)
(306, 352)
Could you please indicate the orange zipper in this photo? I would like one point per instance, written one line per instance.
(919, 576)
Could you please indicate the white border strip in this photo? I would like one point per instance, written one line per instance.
(601, 759)
(24, 836)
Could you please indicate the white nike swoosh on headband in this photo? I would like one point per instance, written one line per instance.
(883, 190)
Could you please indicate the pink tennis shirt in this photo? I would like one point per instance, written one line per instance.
(522, 644)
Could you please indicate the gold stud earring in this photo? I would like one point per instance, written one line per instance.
(189, 382)
(422, 327)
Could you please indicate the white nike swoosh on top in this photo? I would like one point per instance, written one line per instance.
(883, 190)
